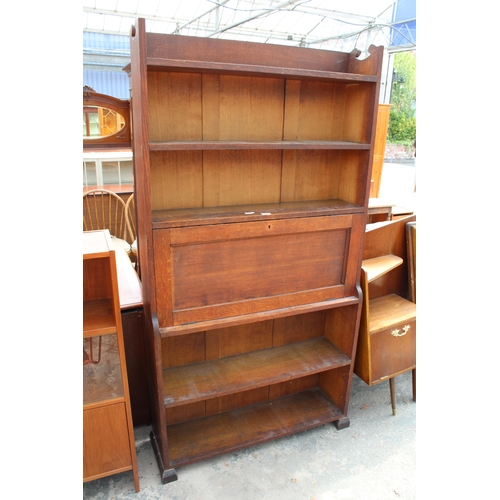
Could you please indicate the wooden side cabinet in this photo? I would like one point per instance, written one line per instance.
(108, 437)
(387, 337)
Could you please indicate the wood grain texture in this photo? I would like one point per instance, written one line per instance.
(230, 431)
(235, 374)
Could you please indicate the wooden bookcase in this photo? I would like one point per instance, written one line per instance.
(108, 436)
(252, 174)
(387, 338)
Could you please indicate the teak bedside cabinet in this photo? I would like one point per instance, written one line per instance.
(387, 337)
(108, 436)
(252, 175)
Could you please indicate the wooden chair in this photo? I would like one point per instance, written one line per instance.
(103, 209)
(132, 228)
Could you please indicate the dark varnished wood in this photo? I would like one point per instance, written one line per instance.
(233, 430)
(252, 162)
(250, 370)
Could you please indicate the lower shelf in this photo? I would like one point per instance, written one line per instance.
(226, 432)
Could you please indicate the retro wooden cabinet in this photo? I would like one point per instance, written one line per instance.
(252, 174)
(387, 338)
(108, 437)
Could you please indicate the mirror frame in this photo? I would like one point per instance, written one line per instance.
(120, 139)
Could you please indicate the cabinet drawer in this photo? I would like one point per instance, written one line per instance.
(393, 350)
(216, 271)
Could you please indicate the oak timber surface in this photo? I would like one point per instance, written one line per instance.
(389, 310)
(378, 266)
(252, 212)
(204, 145)
(237, 373)
(196, 439)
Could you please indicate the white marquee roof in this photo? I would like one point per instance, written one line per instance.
(329, 24)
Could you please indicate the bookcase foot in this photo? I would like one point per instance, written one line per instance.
(342, 423)
(167, 475)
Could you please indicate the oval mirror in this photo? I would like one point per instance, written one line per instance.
(101, 122)
(106, 121)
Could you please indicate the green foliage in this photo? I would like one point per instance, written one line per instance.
(402, 128)
(402, 120)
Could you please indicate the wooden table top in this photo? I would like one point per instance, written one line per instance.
(129, 285)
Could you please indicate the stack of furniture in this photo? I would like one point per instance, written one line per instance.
(252, 175)
(387, 338)
(108, 437)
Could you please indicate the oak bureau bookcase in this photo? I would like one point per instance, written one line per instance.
(252, 167)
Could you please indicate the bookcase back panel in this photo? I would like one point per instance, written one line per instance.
(195, 179)
(328, 111)
(313, 111)
(324, 175)
(242, 108)
(175, 106)
(359, 112)
(176, 179)
(241, 177)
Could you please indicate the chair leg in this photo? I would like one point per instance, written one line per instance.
(414, 383)
(392, 386)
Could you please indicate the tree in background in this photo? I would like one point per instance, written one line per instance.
(402, 120)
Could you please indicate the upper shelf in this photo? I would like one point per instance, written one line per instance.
(378, 266)
(221, 145)
(181, 65)
(250, 213)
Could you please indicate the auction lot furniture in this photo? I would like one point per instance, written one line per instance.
(251, 188)
(108, 437)
(388, 331)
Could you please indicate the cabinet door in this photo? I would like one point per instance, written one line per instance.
(216, 271)
(106, 448)
(393, 350)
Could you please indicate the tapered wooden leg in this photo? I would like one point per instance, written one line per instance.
(392, 386)
(414, 383)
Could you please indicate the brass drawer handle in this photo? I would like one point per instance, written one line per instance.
(395, 333)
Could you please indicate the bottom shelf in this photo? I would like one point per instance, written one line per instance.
(203, 438)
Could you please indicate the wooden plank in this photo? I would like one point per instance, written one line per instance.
(230, 431)
(216, 145)
(226, 99)
(191, 383)
(378, 266)
(252, 70)
(252, 212)
(388, 310)
(185, 329)
(129, 284)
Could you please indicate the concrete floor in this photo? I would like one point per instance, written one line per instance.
(374, 458)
